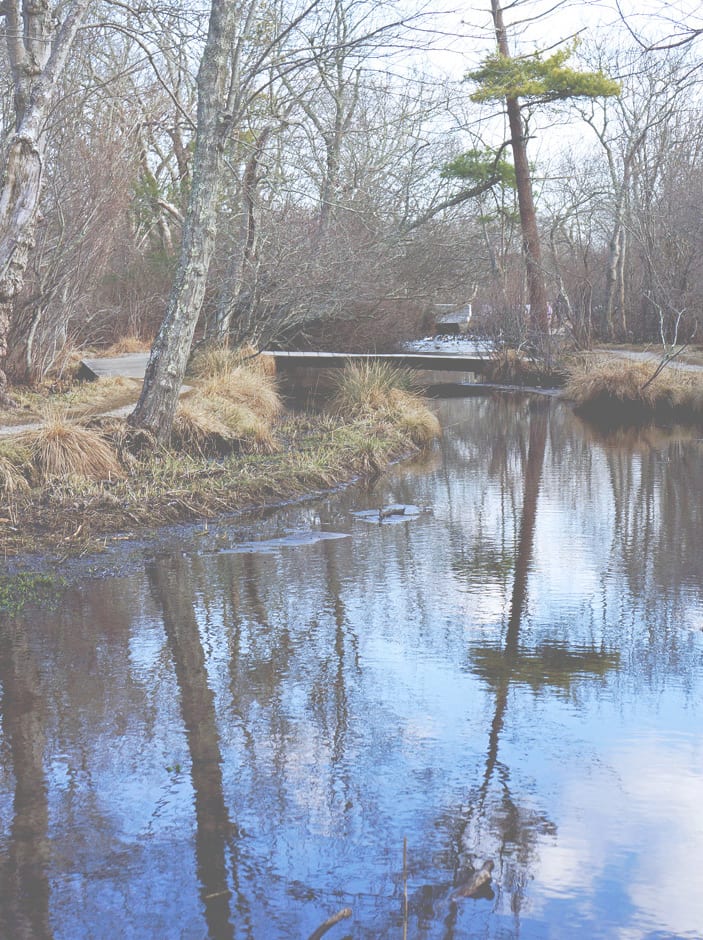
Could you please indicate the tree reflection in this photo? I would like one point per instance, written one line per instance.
(24, 892)
(215, 834)
(516, 827)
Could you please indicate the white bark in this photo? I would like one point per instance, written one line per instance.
(38, 52)
(156, 407)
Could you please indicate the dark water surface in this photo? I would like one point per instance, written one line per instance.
(236, 742)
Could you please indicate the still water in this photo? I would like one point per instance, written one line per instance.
(237, 740)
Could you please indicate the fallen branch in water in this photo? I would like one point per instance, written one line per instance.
(330, 922)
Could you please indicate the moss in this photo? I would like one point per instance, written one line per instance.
(24, 589)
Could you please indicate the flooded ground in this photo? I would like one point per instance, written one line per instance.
(237, 741)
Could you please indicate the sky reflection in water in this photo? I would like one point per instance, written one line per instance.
(236, 742)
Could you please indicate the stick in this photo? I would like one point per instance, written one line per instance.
(405, 888)
(330, 922)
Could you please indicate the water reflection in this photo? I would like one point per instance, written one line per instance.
(25, 913)
(215, 835)
(238, 743)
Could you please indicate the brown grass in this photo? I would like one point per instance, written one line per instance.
(614, 390)
(255, 391)
(211, 361)
(209, 424)
(409, 412)
(12, 480)
(60, 447)
(384, 393)
(127, 345)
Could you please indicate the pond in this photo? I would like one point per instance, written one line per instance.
(339, 711)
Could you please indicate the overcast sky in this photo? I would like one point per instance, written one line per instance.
(540, 24)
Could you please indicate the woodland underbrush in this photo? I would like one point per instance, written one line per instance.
(81, 476)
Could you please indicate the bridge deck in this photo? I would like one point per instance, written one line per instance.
(441, 362)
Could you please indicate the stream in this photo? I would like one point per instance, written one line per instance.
(240, 738)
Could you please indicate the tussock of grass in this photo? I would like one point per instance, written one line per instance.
(12, 479)
(127, 345)
(384, 393)
(253, 390)
(614, 390)
(59, 447)
(412, 416)
(365, 387)
(197, 427)
(211, 361)
(213, 425)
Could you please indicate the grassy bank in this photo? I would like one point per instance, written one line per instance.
(611, 390)
(80, 478)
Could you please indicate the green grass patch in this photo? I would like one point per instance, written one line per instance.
(21, 590)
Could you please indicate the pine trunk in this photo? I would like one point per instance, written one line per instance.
(536, 287)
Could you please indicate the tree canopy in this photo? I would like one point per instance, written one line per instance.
(538, 80)
(479, 166)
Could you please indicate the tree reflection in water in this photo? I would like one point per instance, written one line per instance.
(511, 829)
(24, 886)
(216, 837)
(423, 679)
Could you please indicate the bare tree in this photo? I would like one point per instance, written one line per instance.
(38, 47)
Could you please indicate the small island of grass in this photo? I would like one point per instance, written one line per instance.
(79, 475)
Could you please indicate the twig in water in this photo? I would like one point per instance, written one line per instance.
(330, 922)
(405, 888)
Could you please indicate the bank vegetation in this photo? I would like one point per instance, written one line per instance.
(610, 390)
(80, 476)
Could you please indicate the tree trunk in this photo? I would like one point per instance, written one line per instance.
(37, 52)
(536, 287)
(157, 403)
(244, 257)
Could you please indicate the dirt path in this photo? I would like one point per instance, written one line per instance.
(653, 357)
(131, 366)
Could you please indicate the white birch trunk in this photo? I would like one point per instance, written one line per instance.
(38, 52)
(157, 403)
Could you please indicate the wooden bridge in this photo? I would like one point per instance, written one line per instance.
(312, 371)
(134, 364)
(307, 370)
(433, 361)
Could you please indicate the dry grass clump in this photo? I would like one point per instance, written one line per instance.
(126, 346)
(243, 379)
(412, 416)
(12, 479)
(60, 447)
(363, 388)
(615, 390)
(210, 424)
(603, 380)
(209, 361)
(253, 390)
(213, 361)
(378, 390)
(196, 427)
